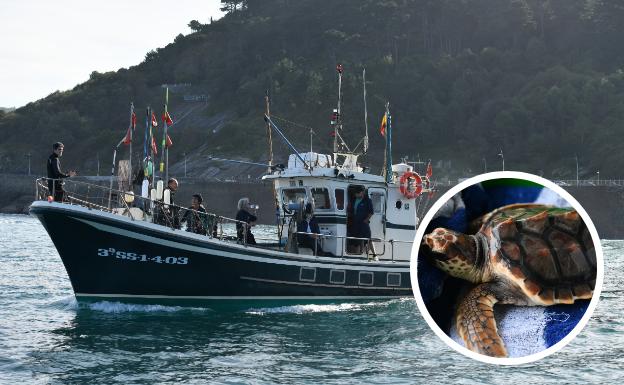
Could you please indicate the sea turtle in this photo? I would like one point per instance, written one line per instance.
(523, 254)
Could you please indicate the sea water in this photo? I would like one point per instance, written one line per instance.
(47, 337)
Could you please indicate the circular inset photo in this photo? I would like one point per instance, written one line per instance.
(506, 267)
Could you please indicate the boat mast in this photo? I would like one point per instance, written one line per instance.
(365, 145)
(164, 162)
(152, 142)
(337, 118)
(388, 144)
(132, 119)
(339, 143)
(267, 112)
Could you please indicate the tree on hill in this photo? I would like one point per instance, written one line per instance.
(542, 79)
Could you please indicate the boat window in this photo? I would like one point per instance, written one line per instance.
(393, 279)
(321, 198)
(366, 278)
(307, 274)
(339, 194)
(293, 195)
(377, 199)
(337, 276)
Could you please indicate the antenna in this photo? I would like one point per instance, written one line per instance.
(365, 145)
(267, 112)
(336, 118)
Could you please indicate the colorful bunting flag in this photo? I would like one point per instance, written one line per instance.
(133, 120)
(429, 170)
(167, 119)
(154, 120)
(128, 138)
(169, 143)
(154, 147)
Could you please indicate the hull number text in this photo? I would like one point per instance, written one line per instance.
(111, 252)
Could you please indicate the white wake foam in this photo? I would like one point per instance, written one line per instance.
(315, 308)
(120, 307)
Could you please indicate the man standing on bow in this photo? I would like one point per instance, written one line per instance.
(55, 175)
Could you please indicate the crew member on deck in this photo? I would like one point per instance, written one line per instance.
(362, 213)
(195, 217)
(55, 175)
(244, 215)
(309, 224)
(172, 185)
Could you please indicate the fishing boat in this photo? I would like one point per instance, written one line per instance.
(119, 246)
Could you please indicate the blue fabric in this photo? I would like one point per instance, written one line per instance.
(561, 319)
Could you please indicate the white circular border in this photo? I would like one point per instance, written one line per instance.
(421, 232)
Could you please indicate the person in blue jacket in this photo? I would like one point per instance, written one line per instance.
(309, 224)
(362, 211)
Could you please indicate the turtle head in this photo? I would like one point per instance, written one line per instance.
(454, 253)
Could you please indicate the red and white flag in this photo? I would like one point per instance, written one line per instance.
(167, 119)
(128, 138)
(154, 146)
(154, 120)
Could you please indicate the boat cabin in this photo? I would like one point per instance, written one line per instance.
(330, 186)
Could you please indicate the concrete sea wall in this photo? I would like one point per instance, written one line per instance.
(605, 204)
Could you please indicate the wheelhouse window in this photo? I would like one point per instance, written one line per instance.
(321, 198)
(293, 195)
(377, 199)
(339, 194)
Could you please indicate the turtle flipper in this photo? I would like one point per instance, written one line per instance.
(476, 324)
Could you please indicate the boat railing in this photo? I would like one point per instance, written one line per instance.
(590, 182)
(368, 250)
(136, 207)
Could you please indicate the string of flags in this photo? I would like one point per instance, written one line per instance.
(166, 118)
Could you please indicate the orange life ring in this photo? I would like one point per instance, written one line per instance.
(404, 184)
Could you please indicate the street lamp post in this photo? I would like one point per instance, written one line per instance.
(29, 155)
(502, 157)
(598, 182)
(484, 165)
(577, 177)
(184, 154)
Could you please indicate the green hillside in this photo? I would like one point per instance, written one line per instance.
(542, 80)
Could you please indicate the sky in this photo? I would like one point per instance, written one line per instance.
(53, 45)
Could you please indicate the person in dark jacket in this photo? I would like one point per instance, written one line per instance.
(172, 185)
(362, 211)
(244, 215)
(309, 224)
(195, 217)
(55, 175)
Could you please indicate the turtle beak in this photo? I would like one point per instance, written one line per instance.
(428, 250)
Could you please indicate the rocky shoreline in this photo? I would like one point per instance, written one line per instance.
(605, 204)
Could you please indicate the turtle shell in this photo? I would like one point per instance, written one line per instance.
(546, 250)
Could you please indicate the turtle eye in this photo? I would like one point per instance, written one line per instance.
(427, 251)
